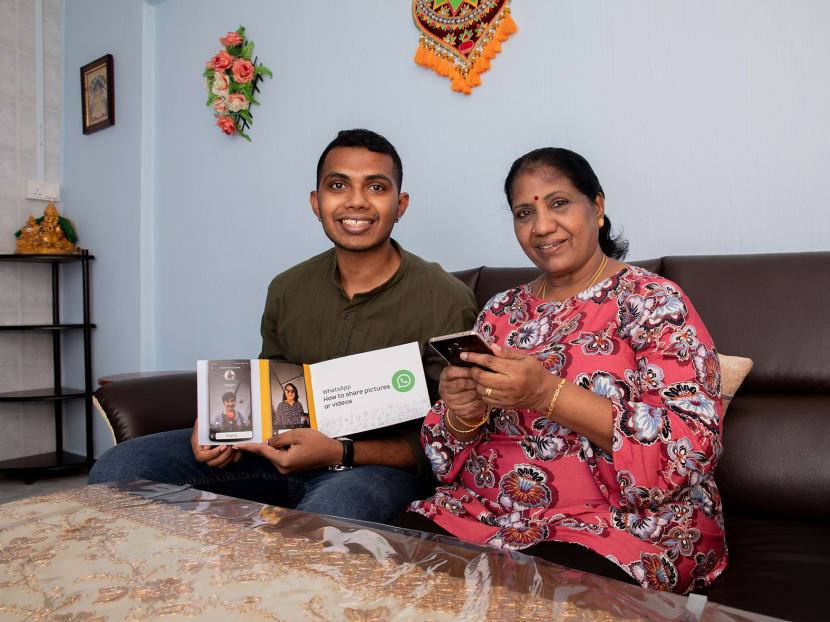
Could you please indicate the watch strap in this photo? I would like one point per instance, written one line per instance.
(347, 461)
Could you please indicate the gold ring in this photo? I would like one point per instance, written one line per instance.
(487, 392)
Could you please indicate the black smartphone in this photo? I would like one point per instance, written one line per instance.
(450, 347)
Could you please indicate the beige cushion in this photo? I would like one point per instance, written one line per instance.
(733, 370)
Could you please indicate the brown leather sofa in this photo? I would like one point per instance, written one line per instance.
(775, 472)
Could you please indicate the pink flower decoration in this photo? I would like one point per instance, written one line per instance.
(237, 102)
(243, 70)
(221, 84)
(209, 64)
(220, 106)
(231, 40)
(222, 61)
(226, 124)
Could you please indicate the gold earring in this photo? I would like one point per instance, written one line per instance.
(601, 221)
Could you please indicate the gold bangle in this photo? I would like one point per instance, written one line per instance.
(481, 421)
(464, 423)
(552, 404)
(477, 425)
(453, 428)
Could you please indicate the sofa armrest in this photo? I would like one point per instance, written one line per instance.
(148, 405)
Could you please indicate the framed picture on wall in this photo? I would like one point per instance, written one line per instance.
(97, 95)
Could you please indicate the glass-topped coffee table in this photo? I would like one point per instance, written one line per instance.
(146, 551)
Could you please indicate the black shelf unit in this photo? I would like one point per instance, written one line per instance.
(57, 394)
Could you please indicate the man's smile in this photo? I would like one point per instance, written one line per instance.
(354, 224)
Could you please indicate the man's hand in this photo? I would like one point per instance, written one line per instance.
(218, 456)
(300, 449)
(517, 381)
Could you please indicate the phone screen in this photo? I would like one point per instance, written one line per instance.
(229, 388)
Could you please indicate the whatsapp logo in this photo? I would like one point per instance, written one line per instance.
(403, 380)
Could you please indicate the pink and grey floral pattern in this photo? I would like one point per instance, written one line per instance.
(651, 505)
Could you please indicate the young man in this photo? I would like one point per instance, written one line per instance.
(363, 294)
(228, 419)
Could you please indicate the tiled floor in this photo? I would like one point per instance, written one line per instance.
(13, 488)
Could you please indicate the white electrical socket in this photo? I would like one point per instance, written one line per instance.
(43, 190)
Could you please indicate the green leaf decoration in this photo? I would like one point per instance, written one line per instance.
(211, 98)
(246, 115)
(234, 50)
(241, 31)
(247, 50)
(262, 69)
(253, 101)
(209, 73)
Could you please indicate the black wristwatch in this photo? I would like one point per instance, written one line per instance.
(347, 461)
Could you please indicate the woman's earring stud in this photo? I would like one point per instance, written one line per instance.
(601, 221)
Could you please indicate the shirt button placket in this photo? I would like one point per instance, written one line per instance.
(347, 322)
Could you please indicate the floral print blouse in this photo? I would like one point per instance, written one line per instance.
(651, 506)
(288, 415)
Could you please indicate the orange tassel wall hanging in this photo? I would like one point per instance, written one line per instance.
(459, 38)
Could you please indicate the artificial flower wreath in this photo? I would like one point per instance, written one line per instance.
(231, 79)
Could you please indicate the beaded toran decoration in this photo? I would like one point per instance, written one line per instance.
(460, 37)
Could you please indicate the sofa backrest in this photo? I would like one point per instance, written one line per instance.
(770, 308)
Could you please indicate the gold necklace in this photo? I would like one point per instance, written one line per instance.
(594, 278)
(591, 282)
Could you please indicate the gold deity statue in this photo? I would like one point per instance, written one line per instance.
(51, 234)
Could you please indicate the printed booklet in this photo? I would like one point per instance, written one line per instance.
(249, 400)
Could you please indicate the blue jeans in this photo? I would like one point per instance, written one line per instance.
(369, 492)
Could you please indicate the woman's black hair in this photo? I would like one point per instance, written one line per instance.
(582, 176)
(290, 384)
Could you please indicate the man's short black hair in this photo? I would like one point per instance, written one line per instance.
(366, 139)
(230, 395)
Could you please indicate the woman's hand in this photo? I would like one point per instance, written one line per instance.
(520, 381)
(516, 381)
(458, 391)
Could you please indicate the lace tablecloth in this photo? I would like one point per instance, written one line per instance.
(142, 551)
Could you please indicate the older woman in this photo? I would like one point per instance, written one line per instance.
(289, 412)
(600, 422)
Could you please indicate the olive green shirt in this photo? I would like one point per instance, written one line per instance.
(308, 318)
